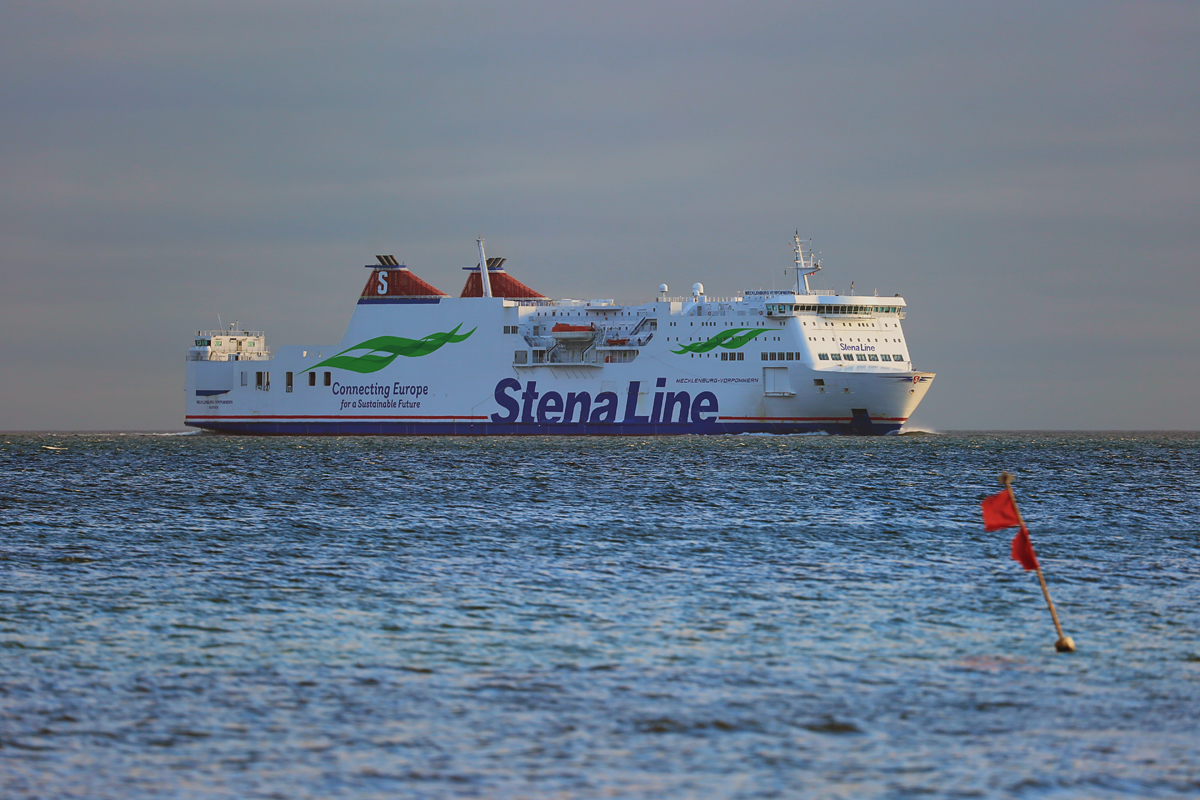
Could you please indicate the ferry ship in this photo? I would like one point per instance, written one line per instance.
(503, 359)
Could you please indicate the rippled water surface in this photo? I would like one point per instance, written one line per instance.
(201, 616)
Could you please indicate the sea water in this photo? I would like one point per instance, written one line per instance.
(693, 617)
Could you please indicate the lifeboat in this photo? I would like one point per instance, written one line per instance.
(616, 342)
(572, 333)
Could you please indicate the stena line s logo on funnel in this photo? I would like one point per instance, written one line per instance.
(375, 354)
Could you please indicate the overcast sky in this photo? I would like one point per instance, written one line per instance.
(1027, 175)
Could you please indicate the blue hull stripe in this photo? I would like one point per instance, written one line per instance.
(386, 428)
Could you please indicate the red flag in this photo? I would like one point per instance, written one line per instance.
(1022, 550)
(1000, 512)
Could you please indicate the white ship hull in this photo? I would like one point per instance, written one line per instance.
(436, 365)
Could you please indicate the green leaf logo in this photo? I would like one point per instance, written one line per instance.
(383, 350)
(730, 339)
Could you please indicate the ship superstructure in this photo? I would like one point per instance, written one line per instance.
(504, 359)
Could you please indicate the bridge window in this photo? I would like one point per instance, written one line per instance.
(823, 356)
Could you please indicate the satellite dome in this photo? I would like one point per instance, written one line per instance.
(697, 288)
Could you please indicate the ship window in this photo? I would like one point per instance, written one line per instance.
(836, 356)
(258, 380)
(818, 382)
(328, 378)
(791, 356)
(764, 356)
(823, 356)
(861, 357)
(724, 356)
(872, 357)
(897, 358)
(312, 379)
(885, 357)
(288, 381)
(244, 376)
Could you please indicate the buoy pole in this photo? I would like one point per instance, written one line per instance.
(1065, 644)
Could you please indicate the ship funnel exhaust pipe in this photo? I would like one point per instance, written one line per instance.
(484, 279)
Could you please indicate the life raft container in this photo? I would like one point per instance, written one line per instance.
(564, 332)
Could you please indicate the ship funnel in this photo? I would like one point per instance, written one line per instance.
(392, 281)
(499, 281)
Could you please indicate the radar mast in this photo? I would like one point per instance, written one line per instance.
(805, 267)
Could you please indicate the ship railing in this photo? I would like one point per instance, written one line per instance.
(564, 356)
(264, 355)
(706, 298)
(589, 357)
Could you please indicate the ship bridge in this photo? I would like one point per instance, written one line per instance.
(229, 344)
